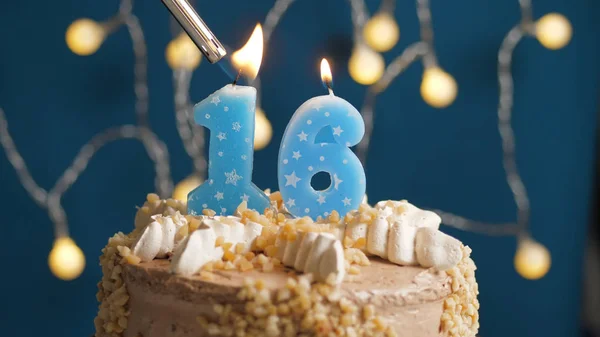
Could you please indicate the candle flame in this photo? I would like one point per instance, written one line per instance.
(326, 73)
(248, 58)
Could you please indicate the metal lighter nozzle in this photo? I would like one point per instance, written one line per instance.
(193, 25)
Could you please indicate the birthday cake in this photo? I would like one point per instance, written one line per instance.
(382, 270)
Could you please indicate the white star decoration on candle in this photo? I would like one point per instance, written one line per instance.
(244, 157)
(303, 136)
(215, 100)
(219, 196)
(321, 199)
(222, 136)
(226, 109)
(336, 181)
(245, 197)
(291, 179)
(236, 126)
(327, 114)
(337, 131)
(296, 155)
(310, 168)
(346, 201)
(291, 202)
(232, 177)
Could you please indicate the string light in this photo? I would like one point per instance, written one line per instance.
(532, 259)
(85, 36)
(182, 53)
(263, 131)
(438, 88)
(366, 66)
(66, 260)
(381, 32)
(553, 31)
(184, 187)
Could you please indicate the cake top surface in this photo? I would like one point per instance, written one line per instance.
(381, 279)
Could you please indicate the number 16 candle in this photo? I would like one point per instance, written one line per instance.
(300, 157)
(229, 115)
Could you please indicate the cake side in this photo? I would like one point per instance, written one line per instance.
(376, 298)
(408, 300)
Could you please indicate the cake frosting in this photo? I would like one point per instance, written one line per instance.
(383, 270)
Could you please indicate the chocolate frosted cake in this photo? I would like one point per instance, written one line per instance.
(379, 271)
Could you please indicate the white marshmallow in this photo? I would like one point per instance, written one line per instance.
(340, 231)
(377, 239)
(236, 234)
(291, 250)
(280, 243)
(332, 261)
(394, 204)
(149, 243)
(252, 230)
(320, 245)
(401, 239)
(436, 249)
(218, 227)
(356, 230)
(195, 251)
(169, 229)
(305, 245)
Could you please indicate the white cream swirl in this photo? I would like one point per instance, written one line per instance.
(199, 247)
(406, 235)
(158, 238)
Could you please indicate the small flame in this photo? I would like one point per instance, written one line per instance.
(326, 73)
(248, 58)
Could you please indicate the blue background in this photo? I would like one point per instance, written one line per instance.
(448, 159)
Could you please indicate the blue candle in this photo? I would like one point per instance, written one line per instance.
(300, 157)
(229, 115)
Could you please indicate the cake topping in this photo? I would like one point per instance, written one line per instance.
(195, 251)
(159, 238)
(436, 249)
(393, 230)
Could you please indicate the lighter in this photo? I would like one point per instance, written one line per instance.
(202, 36)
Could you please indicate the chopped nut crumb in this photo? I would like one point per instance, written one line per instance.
(208, 212)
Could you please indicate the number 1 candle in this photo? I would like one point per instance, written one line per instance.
(300, 157)
(229, 115)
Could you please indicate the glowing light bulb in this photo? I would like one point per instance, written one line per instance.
(184, 187)
(532, 260)
(84, 36)
(553, 31)
(365, 65)
(66, 260)
(381, 32)
(438, 88)
(263, 131)
(182, 53)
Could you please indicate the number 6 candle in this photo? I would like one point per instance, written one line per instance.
(300, 157)
(229, 115)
